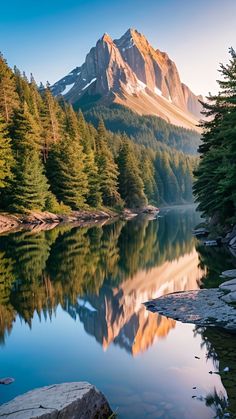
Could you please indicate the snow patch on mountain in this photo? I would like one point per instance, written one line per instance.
(159, 93)
(67, 88)
(88, 84)
(86, 304)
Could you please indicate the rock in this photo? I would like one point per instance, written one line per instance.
(45, 220)
(6, 380)
(79, 400)
(128, 214)
(8, 222)
(205, 307)
(230, 297)
(131, 72)
(150, 209)
(232, 242)
(211, 243)
(229, 274)
(228, 285)
(201, 232)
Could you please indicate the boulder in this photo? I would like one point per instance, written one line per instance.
(232, 242)
(150, 209)
(79, 400)
(229, 274)
(230, 297)
(201, 232)
(228, 285)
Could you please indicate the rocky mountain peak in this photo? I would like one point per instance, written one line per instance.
(131, 72)
(106, 38)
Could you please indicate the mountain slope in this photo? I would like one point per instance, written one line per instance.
(130, 72)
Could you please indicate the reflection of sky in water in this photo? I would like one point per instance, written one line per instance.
(162, 377)
(144, 363)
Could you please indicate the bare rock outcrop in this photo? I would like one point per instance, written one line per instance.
(206, 307)
(129, 71)
(79, 400)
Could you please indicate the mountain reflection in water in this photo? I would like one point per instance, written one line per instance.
(103, 274)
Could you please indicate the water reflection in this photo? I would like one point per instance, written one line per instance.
(103, 274)
(61, 286)
(220, 347)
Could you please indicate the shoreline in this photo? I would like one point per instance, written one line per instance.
(46, 220)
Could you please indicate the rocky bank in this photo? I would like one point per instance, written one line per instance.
(46, 219)
(207, 307)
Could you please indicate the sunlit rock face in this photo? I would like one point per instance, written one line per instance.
(129, 71)
(120, 316)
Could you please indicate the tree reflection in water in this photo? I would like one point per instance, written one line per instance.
(220, 347)
(114, 268)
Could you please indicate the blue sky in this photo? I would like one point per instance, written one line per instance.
(51, 37)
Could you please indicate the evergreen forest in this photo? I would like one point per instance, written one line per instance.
(148, 130)
(52, 159)
(215, 185)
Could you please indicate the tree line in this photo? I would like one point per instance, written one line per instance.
(52, 159)
(148, 130)
(215, 186)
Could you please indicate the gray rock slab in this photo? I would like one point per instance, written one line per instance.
(233, 241)
(230, 297)
(228, 285)
(201, 307)
(229, 274)
(79, 400)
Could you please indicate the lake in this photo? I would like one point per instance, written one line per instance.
(71, 309)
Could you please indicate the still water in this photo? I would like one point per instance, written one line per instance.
(71, 310)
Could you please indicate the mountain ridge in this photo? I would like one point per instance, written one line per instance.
(130, 72)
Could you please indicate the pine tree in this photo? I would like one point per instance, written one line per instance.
(9, 100)
(52, 122)
(29, 187)
(216, 175)
(147, 173)
(130, 183)
(66, 172)
(107, 169)
(6, 157)
(94, 196)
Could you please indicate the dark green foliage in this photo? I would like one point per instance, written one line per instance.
(9, 99)
(216, 175)
(131, 186)
(6, 156)
(149, 131)
(29, 187)
(94, 195)
(107, 169)
(65, 170)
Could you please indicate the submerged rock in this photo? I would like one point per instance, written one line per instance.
(79, 400)
(6, 380)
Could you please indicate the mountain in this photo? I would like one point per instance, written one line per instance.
(130, 72)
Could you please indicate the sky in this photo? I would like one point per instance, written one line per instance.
(51, 37)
